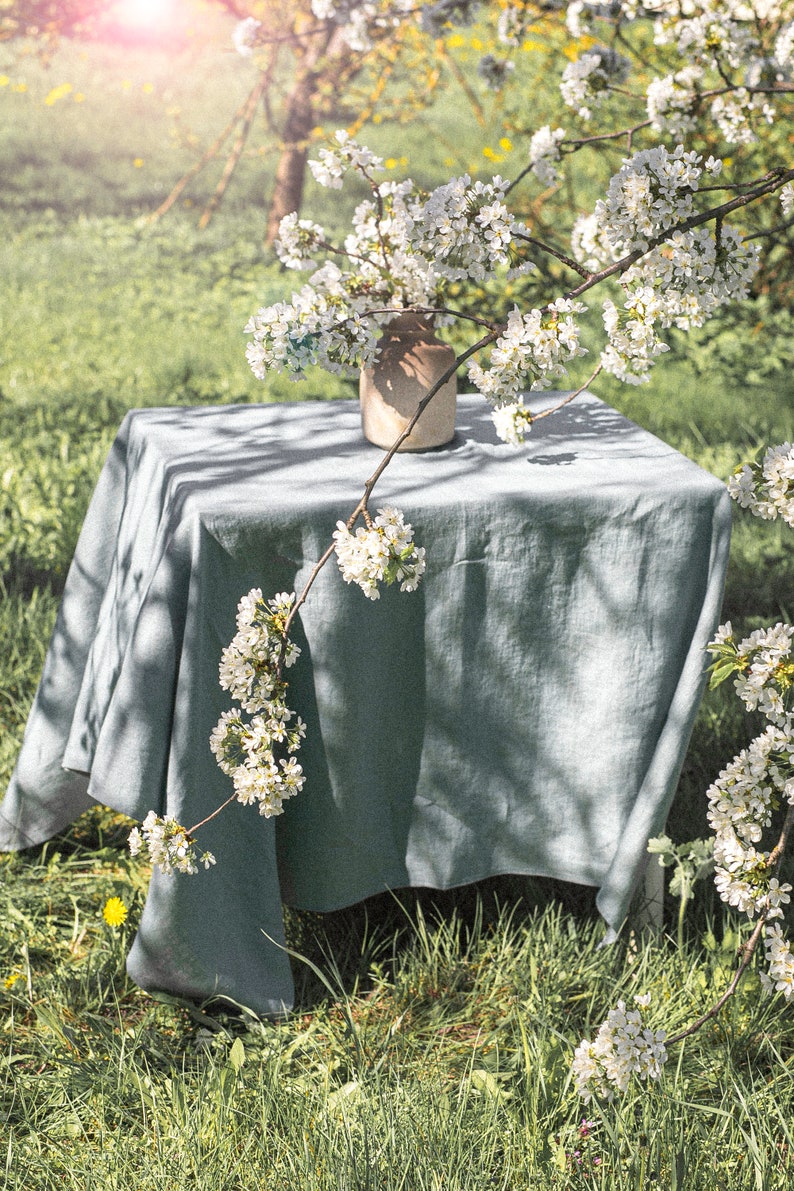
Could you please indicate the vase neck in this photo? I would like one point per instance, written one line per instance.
(410, 322)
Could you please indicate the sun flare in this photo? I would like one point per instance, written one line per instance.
(143, 14)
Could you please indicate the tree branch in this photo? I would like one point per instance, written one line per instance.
(748, 950)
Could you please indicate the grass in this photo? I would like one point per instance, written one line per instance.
(431, 1042)
(432, 1052)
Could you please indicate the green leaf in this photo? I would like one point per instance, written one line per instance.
(237, 1055)
(719, 672)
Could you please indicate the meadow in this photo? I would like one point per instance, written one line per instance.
(432, 1036)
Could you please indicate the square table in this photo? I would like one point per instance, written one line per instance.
(525, 711)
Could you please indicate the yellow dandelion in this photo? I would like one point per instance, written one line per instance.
(58, 93)
(11, 980)
(137, 162)
(114, 911)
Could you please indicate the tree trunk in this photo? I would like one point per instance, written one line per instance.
(291, 170)
(325, 57)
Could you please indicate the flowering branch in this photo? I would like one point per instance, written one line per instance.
(741, 801)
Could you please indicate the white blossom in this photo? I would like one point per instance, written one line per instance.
(383, 551)
(360, 20)
(767, 488)
(544, 153)
(168, 845)
(512, 422)
(331, 165)
(652, 192)
(587, 81)
(671, 102)
(632, 340)
(779, 976)
(531, 352)
(623, 1047)
(244, 36)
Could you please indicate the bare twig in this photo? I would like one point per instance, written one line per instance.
(555, 252)
(569, 397)
(206, 157)
(192, 830)
(249, 111)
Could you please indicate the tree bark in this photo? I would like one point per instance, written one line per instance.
(300, 119)
(290, 172)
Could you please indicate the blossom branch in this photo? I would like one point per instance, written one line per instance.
(560, 256)
(748, 950)
(192, 830)
(774, 180)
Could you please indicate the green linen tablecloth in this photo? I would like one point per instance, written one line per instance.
(525, 711)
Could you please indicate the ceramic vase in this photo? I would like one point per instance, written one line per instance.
(410, 361)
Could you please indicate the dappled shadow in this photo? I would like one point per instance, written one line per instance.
(563, 459)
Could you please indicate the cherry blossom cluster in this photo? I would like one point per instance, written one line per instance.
(652, 192)
(766, 488)
(544, 153)
(247, 740)
(623, 1048)
(741, 803)
(245, 36)
(728, 42)
(359, 21)
(169, 847)
(531, 352)
(513, 422)
(681, 275)
(779, 974)
(588, 80)
(383, 551)
(760, 779)
(764, 666)
(465, 228)
(331, 165)
(254, 743)
(729, 60)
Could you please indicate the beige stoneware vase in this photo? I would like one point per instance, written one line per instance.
(410, 361)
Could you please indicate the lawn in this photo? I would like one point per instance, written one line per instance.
(432, 1037)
